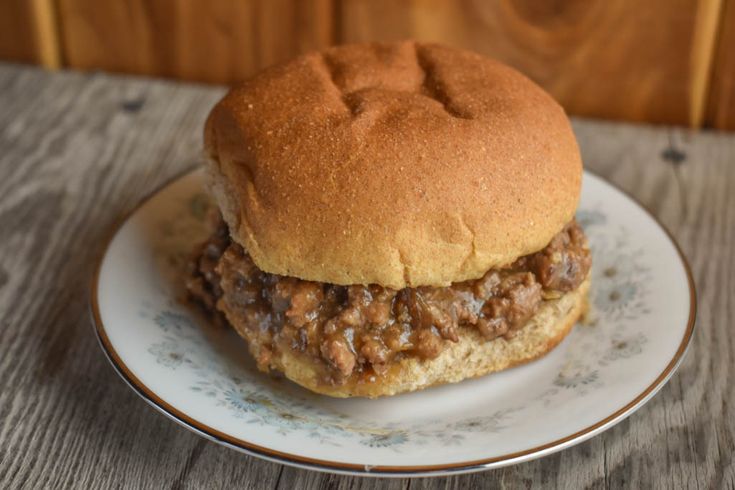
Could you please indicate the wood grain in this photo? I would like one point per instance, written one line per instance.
(28, 32)
(216, 41)
(17, 41)
(721, 102)
(78, 150)
(619, 59)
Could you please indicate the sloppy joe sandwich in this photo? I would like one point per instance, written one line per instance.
(393, 216)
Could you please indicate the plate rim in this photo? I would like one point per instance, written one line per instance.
(306, 462)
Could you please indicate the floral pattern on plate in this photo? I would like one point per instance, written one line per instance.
(620, 294)
(204, 370)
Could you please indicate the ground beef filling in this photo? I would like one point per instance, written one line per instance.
(363, 329)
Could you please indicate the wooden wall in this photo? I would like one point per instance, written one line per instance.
(211, 41)
(28, 32)
(662, 61)
(721, 96)
(625, 59)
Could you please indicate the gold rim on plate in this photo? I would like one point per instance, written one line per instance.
(381, 470)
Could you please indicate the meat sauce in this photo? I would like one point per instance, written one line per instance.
(363, 329)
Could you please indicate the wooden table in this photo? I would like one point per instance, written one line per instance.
(79, 150)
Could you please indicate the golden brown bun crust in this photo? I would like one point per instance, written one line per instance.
(401, 164)
(471, 357)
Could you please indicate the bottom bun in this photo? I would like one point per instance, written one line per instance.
(470, 357)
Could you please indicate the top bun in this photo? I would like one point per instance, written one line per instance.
(403, 165)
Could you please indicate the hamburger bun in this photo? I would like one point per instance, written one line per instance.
(396, 216)
(402, 165)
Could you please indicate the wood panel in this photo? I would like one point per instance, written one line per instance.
(28, 32)
(721, 107)
(214, 41)
(621, 59)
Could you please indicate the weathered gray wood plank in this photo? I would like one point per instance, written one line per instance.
(77, 151)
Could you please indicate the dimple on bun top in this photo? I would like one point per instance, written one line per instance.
(402, 164)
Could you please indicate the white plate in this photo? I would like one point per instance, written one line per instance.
(643, 316)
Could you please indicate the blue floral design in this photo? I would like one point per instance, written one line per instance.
(616, 297)
(588, 218)
(167, 354)
(389, 439)
(624, 348)
(491, 423)
(620, 278)
(576, 379)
